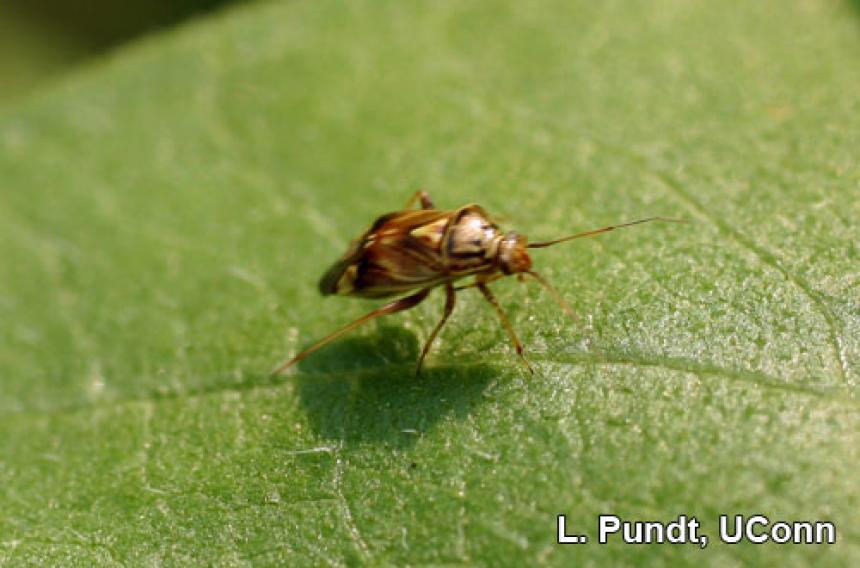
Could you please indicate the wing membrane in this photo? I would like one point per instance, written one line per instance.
(399, 253)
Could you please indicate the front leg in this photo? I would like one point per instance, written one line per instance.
(505, 322)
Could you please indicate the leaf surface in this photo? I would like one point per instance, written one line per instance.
(165, 215)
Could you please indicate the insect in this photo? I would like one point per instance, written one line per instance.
(419, 250)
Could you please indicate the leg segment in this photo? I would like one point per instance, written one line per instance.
(449, 307)
(387, 309)
(554, 293)
(505, 322)
(486, 280)
(422, 196)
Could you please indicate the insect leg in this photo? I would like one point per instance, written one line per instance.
(387, 309)
(554, 293)
(449, 307)
(489, 279)
(506, 323)
(424, 197)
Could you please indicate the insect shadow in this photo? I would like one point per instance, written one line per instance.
(390, 345)
(364, 389)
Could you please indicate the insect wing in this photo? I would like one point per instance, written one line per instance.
(399, 253)
(328, 284)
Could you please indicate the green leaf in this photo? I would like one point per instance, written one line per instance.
(165, 215)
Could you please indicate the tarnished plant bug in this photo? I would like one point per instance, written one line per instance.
(420, 249)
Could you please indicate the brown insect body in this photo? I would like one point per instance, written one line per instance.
(422, 249)
(406, 250)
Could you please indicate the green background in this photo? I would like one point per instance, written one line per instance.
(41, 40)
(165, 214)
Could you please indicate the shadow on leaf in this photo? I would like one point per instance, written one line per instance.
(365, 389)
(390, 345)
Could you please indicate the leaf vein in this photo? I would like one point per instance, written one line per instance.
(769, 259)
(346, 512)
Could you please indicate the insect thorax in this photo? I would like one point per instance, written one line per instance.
(472, 240)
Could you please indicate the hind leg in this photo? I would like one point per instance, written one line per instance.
(387, 309)
(421, 196)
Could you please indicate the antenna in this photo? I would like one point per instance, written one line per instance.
(606, 229)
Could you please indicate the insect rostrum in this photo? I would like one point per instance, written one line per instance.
(417, 250)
